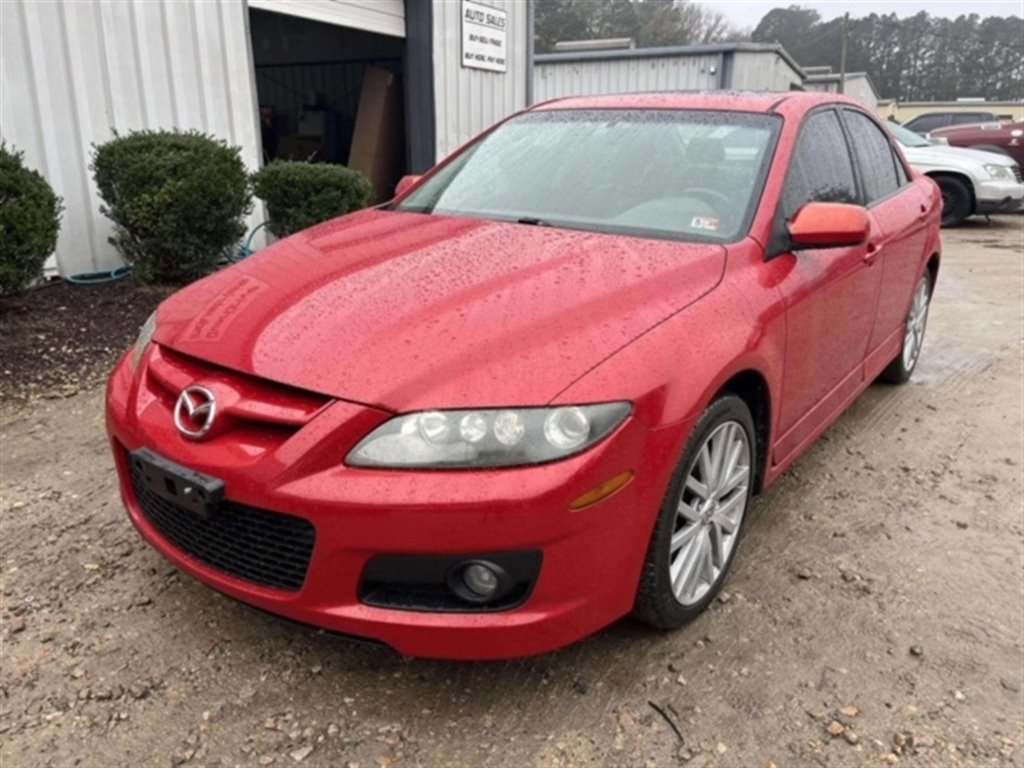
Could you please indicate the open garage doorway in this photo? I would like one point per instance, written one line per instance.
(331, 94)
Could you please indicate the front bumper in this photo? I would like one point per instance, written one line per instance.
(592, 557)
(998, 196)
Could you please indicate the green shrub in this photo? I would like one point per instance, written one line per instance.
(178, 200)
(299, 195)
(29, 222)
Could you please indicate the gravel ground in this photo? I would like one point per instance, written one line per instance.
(874, 615)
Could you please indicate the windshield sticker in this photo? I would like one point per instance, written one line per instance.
(705, 222)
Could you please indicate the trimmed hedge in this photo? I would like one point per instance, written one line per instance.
(178, 200)
(299, 195)
(29, 222)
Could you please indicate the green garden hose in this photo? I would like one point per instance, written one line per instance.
(98, 278)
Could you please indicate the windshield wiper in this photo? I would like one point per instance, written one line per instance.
(534, 222)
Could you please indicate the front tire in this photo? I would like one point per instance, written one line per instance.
(701, 519)
(901, 369)
(956, 201)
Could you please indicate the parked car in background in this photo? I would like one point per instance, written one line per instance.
(972, 181)
(1003, 138)
(536, 391)
(931, 121)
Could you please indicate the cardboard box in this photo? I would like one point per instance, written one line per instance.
(378, 140)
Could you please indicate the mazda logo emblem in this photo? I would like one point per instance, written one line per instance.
(195, 412)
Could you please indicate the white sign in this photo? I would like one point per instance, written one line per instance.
(484, 37)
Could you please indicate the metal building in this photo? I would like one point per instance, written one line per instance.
(74, 73)
(739, 66)
(856, 85)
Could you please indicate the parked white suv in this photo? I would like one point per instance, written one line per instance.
(972, 181)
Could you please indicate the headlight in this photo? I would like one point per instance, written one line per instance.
(145, 336)
(999, 171)
(478, 439)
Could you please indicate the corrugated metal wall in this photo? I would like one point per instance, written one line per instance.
(857, 87)
(763, 71)
(469, 100)
(72, 73)
(742, 66)
(554, 80)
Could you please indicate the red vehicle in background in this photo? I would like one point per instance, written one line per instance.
(1005, 138)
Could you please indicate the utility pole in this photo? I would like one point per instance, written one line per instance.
(842, 55)
(531, 31)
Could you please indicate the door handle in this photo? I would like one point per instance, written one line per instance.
(872, 253)
(925, 210)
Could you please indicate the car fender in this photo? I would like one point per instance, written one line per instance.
(673, 371)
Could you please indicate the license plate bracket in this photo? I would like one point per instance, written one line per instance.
(184, 487)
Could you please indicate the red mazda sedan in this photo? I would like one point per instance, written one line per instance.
(536, 392)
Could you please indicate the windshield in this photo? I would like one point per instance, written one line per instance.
(907, 137)
(673, 174)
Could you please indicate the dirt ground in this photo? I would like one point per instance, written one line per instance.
(61, 339)
(875, 614)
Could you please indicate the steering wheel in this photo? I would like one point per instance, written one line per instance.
(716, 200)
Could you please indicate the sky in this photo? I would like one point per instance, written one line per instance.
(747, 13)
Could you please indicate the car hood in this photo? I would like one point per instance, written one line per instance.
(406, 311)
(954, 157)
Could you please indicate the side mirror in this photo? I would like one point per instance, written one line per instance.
(404, 183)
(829, 225)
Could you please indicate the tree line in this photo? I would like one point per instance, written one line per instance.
(650, 23)
(917, 58)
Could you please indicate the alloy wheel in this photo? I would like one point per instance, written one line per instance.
(710, 512)
(917, 318)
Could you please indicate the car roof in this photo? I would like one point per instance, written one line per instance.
(790, 102)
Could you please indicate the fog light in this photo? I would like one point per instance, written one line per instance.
(480, 580)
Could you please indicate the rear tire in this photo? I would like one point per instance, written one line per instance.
(956, 201)
(701, 520)
(902, 368)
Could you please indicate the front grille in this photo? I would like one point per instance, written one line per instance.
(1016, 172)
(254, 545)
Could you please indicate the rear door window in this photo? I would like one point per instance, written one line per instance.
(874, 156)
(821, 170)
